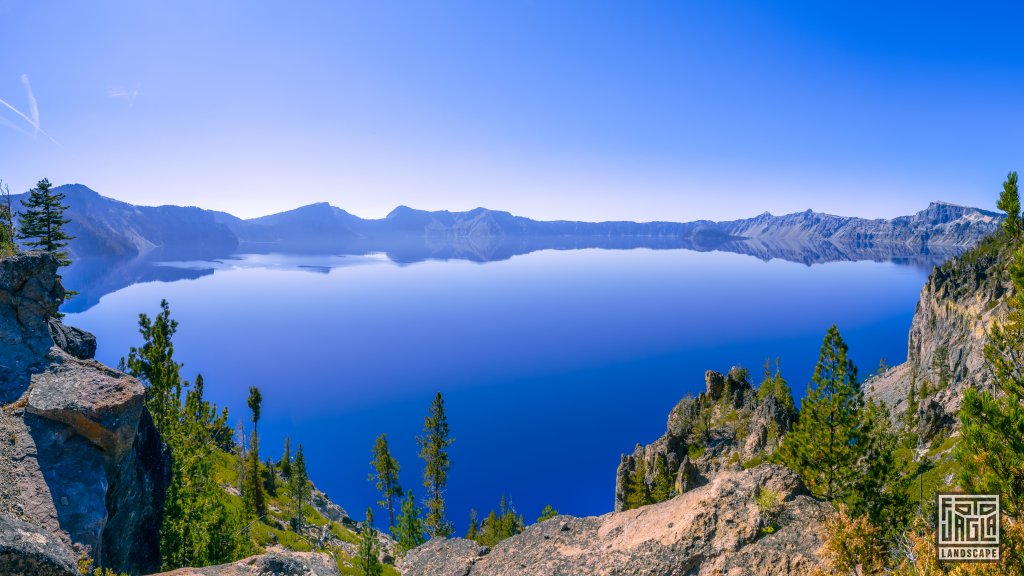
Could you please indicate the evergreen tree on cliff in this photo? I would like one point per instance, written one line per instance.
(41, 225)
(255, 499)
(286, 459)
(154, 365)
(1009, 202)
(434, 451)
(410, 529)
(991, 447)
(198, 529)
(843, 449)
(7, 234)
(368, 561)
(299, 482)
(386, 476)
(823, 447)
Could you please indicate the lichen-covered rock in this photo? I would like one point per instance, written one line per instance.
(269, 564)
(714, 529)
(80, 458)
(945, 352)
(74, 341)
(723, 428)
(30, 293)
(27, 548)
(450, 557)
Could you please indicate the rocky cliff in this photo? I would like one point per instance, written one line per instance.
(723, 527)
(945, 353)
(82, 468)
(727, 426)
(279, 563)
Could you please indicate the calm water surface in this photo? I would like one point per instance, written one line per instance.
(552, 364)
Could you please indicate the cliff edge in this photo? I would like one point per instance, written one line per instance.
(82, 468)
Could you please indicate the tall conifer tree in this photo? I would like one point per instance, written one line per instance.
(410, 528)
(386, 476)
(823, 447)
(991, 447)
(434, 451)
(368, 560)
(42, 223)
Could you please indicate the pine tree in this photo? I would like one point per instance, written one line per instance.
(776, 386)
(255, 499)
(299, 482)
(501, 524)
(637, 492)
(154, 365)
(368, 560)
(270, 477)
(823, 447)
(434, 451)
(42, 222)
(473, 532)
(663, 483)
(991, 447)
(880, 487)
(1009, 202)
(386, 476)
(547, 513)
(7, 233)
(198, 529)
(286, 459)
(410, 529)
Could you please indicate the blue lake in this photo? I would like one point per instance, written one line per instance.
(552, 363)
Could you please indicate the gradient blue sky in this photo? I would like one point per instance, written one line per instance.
(583, 110)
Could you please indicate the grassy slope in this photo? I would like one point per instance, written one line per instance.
(269, 532)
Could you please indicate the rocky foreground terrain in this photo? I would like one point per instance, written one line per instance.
(82, 469)
(718, 528)
(946, 344)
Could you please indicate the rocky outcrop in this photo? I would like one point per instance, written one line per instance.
(718, 528)
(727, 426)
(29, 295)
(280, 563)
(74, 341)
(80, 459)
(945, 353)
(26, 548)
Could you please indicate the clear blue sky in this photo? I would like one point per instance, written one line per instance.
(587, 110)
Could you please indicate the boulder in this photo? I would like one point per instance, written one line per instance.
(269, 564)
(100, 404)
(713, 529)
(27, 548)
(30, 293)
(80, 458)
(74, 341)
(450, 557)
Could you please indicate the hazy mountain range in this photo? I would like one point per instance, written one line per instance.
(118, 244)
(104, 227)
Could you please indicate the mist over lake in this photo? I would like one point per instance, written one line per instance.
(552, 363)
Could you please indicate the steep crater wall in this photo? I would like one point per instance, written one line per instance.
(81, 463)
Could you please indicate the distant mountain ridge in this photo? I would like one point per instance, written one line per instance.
(104, 227)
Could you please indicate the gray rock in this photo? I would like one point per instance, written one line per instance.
(958, 305)
(721, 432)
(74, 341)
(713, 529)
(270, 564)
(440, 556)
(26, 548)
(30, 293)
(79, 456)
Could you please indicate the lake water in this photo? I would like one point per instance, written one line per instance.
(552, 363)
